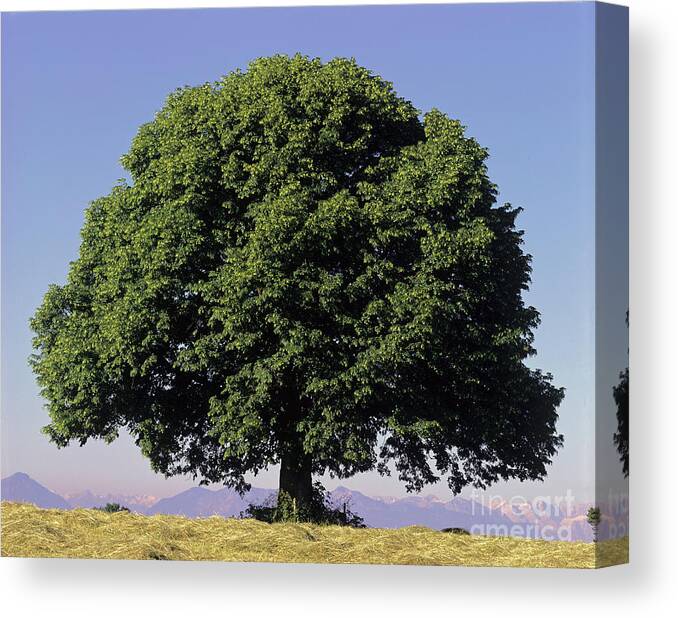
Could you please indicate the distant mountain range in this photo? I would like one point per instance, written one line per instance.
(87, 500)
(498, 518)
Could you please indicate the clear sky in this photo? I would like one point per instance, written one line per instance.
(76, 86)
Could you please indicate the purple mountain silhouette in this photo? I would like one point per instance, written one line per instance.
(203, 502)
(22, 488)
(376, 513)
(426, 511)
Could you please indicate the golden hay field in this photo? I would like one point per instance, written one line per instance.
(28, 531)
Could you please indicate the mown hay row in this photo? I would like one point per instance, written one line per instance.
(28, 531)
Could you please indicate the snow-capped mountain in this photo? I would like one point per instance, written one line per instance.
(88, 500)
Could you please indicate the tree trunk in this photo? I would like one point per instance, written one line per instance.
(295, 475)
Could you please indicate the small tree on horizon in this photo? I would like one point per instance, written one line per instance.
(302, 272)
(594, 518)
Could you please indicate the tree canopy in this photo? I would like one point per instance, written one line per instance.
(620, 393)
(303, 270)
(621, 436)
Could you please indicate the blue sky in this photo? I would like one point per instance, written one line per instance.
(77, 85)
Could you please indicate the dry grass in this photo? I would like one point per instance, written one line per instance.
(28, 531)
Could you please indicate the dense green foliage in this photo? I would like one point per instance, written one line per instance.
(301, 271)
(621, 399)
(621, 436)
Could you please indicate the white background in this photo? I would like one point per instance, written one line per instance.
(647, 586)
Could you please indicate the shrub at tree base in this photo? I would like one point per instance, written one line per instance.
(321, 509)
(113, 507)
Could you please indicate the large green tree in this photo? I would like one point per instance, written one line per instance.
(301, 272)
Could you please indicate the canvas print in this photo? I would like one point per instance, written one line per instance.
(317, 284)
